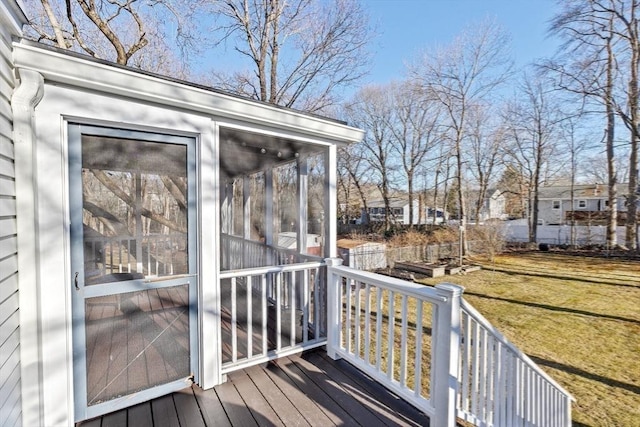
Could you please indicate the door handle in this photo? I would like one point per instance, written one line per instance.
(75, 281)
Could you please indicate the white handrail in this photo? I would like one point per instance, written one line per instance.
(475, 372)
(499, 385)
(475, 314)
(416, 361)
(271, 312)
(256, 271)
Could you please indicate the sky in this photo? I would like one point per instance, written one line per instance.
(407, 27)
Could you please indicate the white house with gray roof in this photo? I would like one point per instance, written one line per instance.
(590, 203)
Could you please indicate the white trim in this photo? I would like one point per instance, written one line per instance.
(59, 106)
(88, 92)
(13, 9)
(25, 98)
(210, 340)
(302, 204)
(82, 73)
(331, 202)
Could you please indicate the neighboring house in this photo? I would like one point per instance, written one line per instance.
(142, 277)
(378, 212)
(400, 212)
(493, 205)
(590, 204)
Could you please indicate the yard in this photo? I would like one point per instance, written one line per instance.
(577, 317)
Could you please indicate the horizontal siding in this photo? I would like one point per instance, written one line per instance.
(6, 147)
(9, 285)
(10, 384)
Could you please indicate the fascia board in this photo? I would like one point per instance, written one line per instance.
(14, 10)
(58, 68)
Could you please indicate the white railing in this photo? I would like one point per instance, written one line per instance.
(432, 349)
(150, 255)
(270, 312)
(498, 385)
(237, 253)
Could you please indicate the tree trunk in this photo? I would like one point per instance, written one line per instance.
(612, 174)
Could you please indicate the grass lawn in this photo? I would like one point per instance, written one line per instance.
(577, 317)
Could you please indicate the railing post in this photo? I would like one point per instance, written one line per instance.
(333, 307)
(447, 349)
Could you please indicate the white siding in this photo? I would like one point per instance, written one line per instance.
(10, 400)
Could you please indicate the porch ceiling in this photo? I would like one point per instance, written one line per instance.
(244, 152)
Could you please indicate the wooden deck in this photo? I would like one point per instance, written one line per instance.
(300, 390)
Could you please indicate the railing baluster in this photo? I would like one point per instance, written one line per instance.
(390, 335)
(379, 315)
(292, 317)
(348, 332)
(498, 390)
(466, 363)
(356, 320)
(249, 293)
(417, 361)
(263, 293)
(305, 305)
(367, 323)
(404, 354)
(475, 372)
(234, 322)
(278, 308)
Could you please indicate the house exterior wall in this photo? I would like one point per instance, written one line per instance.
(11, 20)
(548, 215)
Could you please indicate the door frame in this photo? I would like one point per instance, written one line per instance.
(79, 293)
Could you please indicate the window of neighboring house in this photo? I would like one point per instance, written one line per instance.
(582, 204)
(556, 204)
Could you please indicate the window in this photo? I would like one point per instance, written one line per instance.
(556, 204)
(582, 204)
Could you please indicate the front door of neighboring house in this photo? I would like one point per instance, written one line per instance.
(133, 266)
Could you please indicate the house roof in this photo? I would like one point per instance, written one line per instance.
(394, 202)
(309, 132)
(580, 191)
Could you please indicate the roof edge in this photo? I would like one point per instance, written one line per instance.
(77, 70)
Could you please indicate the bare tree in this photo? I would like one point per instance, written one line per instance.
(371, 110)
(601, 62)
(462, 74)
(483, 155)
(533, 120)
(352, 175)
(117, 30)
(414, 131)
(300, 51)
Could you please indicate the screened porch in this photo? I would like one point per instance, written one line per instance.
(273, 240)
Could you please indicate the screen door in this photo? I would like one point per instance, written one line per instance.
(133, 247)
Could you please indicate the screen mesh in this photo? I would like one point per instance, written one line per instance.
(136, 340)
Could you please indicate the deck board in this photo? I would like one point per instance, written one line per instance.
(236, 409)
(211, 408)
(164, 412)
(297, 395)
(140, 415)
(249, 387)
(299, 390)
(187, 408)
(401, 408)
(334, 412)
